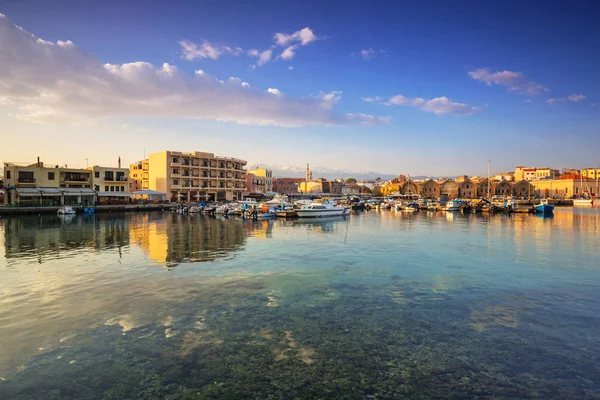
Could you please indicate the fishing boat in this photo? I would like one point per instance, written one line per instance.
(66, 210)
(544, 207)
(324, 208)
(453, 205)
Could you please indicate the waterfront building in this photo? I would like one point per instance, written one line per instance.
(505, 176)
(136, 173)
(430, 189)
(591, 173)
(194, 176)
(38, 183)
(482, 187)
(449, 189)
(523, 188)
(287, 185)
(255, 184)
(111, 184)
(467, 189)
(565, 187)
(265, 173)
(503, 188)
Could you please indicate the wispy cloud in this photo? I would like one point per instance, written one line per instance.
(303, 36)
(60, 83)
(575, 98)
(515, 81)
(375, 99)
(192, 51)
(367, 54)
(437, 105)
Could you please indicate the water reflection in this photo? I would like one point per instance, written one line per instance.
(466, 304)
(174, 238)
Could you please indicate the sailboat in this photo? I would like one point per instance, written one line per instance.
(584, 199)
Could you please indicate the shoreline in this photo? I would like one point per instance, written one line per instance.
(9, 211)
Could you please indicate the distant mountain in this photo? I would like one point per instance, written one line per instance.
(293, 171)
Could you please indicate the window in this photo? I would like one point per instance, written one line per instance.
(97, 174)
(175, 159)
(7, 174)
(122, 188)
(117, 188)
(175, 171)
(106, 188)
(175, 181)
(109, 176)
(50, 176)
(112, 188)
(120, 176)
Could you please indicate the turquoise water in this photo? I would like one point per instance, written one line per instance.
(376, 305)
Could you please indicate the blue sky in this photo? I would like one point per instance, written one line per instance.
(451, 84)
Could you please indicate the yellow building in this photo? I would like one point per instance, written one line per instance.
(194, 176)
(563, 188)
(591, 173)
(264, 173)
(111, 184)
(47, 184)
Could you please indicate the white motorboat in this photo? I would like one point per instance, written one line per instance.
(194, 210)
(453, 205)
(319, 209)
(302, 203)
(66, 210)
(583, 201)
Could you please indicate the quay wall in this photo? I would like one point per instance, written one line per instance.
(79, 209)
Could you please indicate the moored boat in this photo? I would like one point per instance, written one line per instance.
(583, 201)
(323, 208)
(66, 210)
(544, 207)
(453, 205)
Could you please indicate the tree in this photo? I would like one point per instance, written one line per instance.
(351, 181)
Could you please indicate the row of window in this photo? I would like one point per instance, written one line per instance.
(114, 188)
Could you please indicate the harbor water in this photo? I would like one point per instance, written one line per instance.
(380, 304)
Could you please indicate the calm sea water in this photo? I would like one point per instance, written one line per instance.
(377, 305)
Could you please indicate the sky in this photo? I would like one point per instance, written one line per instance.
(420, 88)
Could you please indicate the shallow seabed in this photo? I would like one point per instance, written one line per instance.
(377, 305)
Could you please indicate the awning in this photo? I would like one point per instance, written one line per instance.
(50, 192)
(28, 192)
(114, 194)
(149, 192)
(77, 191)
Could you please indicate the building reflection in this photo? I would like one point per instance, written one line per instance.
(52, 236)
(175, 238)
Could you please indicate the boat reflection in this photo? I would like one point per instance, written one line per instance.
(324, 225)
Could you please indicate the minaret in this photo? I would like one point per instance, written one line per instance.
(307, 175)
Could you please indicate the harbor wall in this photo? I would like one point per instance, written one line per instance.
(79, 209)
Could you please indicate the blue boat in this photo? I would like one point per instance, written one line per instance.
(544, 208)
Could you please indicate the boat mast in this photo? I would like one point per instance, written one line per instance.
(488, 182)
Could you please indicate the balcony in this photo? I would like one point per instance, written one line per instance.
(26, 180)
(74, 179)
(117, 179)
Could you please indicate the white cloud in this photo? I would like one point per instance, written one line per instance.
(263, 57)
(60, 83)
(366, 120)
(199, 72)
(515, 81)
(253, 53)
(367, 54)
(291, 68)
(400, 100)
(191, 51)
(576, 98)
(555, 100)
(274, 91)
(438, 105)
(288, 53)
(304, 36)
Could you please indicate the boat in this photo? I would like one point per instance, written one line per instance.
(66, 210)
(194, 210)
(544, 207)
(583, 201)
(453, 205)
(267, 215)
(324, 208)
